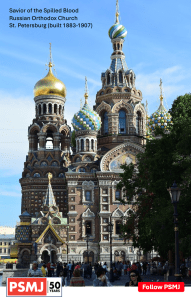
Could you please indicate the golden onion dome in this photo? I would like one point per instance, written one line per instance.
(50, 85)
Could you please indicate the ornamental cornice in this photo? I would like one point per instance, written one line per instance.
(49, 97)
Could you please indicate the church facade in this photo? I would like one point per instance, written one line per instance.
(70, 197)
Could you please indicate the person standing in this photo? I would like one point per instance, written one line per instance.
(70, 269)
(43, 269)
(48, 268)
(77, 280)
(65, 274)
(135, 278)
(101, 278)
(34, 272)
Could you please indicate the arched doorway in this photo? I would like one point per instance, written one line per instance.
(45, 256)
(89, 255)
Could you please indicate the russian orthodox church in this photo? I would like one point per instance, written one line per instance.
(70, 197)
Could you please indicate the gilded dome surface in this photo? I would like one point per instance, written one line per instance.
(50, 85)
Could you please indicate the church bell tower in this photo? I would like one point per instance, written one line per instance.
(49, 143)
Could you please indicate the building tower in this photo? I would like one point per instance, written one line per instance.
(161, 118)
(49, 143)
(119, 102)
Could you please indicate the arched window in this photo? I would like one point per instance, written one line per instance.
(118, 227)
(105, 123)
(88, 227)
(82, 170)
(108, 78)
(59, 109)
(82, 145)
(44, 108)
(77, 145)
(120, 77)
(50, 108)
(93, 170)
(92, 145)
(39, 109)
(122, 121)
(88, 195)
(118, 46)
(117, 194)
(55, 108)
(138, 122)
(87, 145)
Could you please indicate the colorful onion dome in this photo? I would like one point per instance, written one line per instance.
(50, 85)
(117, 31)
(86, 119)
(161, 117)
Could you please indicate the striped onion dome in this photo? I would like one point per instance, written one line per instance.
(117, 31)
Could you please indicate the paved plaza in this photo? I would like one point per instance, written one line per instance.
(146, 278)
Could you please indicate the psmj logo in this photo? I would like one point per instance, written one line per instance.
(34, 287)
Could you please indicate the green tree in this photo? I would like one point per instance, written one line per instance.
(165, 160)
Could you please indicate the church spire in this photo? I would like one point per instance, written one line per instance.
(161, 95)
(117, 12)
(49, 199)
(86, 91)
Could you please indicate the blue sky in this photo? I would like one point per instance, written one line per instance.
(157, 46)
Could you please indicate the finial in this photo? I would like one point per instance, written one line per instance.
(117, 12)
(86, 91)
(49, 177)
(161, 96)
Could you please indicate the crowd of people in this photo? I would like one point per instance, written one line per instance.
(77, 272)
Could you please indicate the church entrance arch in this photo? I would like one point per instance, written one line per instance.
(89, 255)
(45, 256)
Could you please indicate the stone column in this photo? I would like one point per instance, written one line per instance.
(56, 141)
(42, 140)
(113, 123)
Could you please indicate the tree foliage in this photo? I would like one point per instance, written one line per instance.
(165, 160)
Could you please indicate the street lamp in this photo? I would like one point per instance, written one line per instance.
(87, 240)
(174, 192)
(110, 229)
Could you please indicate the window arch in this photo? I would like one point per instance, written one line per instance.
(108, 78)
(50, 108)
(120, 77)
(122, 121)
(105, 123)
(44, 108)
(138, 122)
(92, 144)
(55, 108)
(82, 145)
(39, 109)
